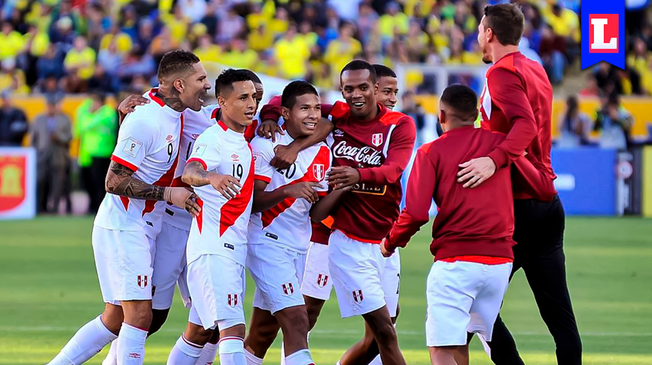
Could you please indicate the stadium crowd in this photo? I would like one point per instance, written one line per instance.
(80, 45)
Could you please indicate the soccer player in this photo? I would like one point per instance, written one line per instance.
(170, 257)
(517, 100)
(221, 171)
(280, 228)
(472, 233)
(129, 218)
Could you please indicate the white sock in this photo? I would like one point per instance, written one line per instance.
(301, 357)
(112, 356)
(184, 352)
(232, 351)
(253, 359)
(131, 345)
(208, 354)
(86, 343)
(376, 361)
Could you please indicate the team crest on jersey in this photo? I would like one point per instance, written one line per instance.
(322, 280)
(142, 281)
(377, 139)
(232, 300)
(288, 289)
(318, 170)
(357, 296)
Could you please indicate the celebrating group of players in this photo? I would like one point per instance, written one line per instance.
(308, 199)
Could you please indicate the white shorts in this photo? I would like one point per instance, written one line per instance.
(357, 268)
(317, 282)
(124, 264)
(391, 282)
(463, 297)
(277, 272)
(169, 263)
(217, 287)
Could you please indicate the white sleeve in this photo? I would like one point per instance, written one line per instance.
(263, 151)
(135, 139)
(207, 150)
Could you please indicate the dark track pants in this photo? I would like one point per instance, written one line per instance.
(539, 233)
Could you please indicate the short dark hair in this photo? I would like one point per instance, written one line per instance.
(295, 89)
(462, 99)
(176, 61)
(507, 22)
(224, 82)
(383, 71)
(252, 75)
(357, 65)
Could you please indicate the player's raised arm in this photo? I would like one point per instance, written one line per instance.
(421, 187)
(128, 104)
(286, 155)
(195, 174)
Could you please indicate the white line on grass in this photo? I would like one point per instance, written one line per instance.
(331, 332)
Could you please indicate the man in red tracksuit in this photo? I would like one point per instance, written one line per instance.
(472, 233)
(517, 101)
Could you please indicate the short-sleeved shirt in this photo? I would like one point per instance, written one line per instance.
(148, 144)
(194, 124)
(221, 226)
(287, 223)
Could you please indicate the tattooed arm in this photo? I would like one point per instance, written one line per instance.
(120, 182)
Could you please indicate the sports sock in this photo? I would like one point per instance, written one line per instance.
(86, 343)
(232, 351)
(253, 359)
(131, 345)
(184, 352)
(376, 361)
(301, 357)
(112, 356)
(208, 354)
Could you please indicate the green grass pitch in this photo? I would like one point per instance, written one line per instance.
(48, 289)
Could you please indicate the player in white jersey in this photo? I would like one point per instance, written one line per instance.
(170, 258)
(280, 228)
(129, 218)
(220, 169)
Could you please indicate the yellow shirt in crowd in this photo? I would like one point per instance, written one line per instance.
(84, 61)
(292, 56)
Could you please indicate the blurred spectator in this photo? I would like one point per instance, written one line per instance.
(177, 23)
(161, 44)
(591, 88)
(240, 55)
(410, 107)
(96, 127)
(11, 78)
(145, 34)
(51, 134)
(342, 50)
(615, 123)
(80, 66)
(393, 22)
(11, 41)
(551, 50)
(229, 27)
(640, 61)
(110, 59)
(575, 126)
(137, 63)
(63, 35)
(50, 65)
(117, 37)
(291, 53)
(207, 51)
(13, 123)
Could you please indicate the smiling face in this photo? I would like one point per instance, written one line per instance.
(359, 91)
(259, 94)
(239, 105)
(301, 120)
(387, 91)
(193, 87)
